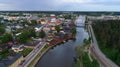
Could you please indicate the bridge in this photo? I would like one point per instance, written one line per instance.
(80, 22)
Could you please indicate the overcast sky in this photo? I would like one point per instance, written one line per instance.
(61, 5)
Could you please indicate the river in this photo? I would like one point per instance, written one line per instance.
(62, 55)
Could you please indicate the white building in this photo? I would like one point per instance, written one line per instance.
(17, 48)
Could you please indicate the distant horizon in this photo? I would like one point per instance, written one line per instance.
(53, 11)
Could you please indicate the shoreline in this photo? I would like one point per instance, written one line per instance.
(41, 54)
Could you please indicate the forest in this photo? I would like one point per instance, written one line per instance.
(107, 33)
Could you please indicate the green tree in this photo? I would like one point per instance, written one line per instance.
(108, 36)
(67, 16)
(4, 53)
(23, 36)
(32, 33)
(87, 41)
(74, 31)
(6, 38)
(57, 27)
(2, 30)
(80, 53)
(42, 34)
(0, 41)
(33, 22)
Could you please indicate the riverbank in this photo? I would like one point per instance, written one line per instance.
(59, 40)
(86, 62)
(63, 55)
(40, 54)
(43, 51)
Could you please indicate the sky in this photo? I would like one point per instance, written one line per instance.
(60, 5)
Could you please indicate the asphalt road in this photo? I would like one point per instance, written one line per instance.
(32, 55)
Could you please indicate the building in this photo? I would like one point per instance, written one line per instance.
(18, 48)
(47, 28)
(12, 61)
(54, 22)
(42, 21)
(38, 28)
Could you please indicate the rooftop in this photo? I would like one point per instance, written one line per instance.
(7, 62)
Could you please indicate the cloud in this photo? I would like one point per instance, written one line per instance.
(74, 1)
(62, 5)
(6, 7)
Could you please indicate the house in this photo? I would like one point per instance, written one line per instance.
(43, 21)
(12, 61)
(12, 18)
(8, 29)
(46, 28)
(38, 28)
(0, 49)
(33, 18)
(18, 34)
(18, 26)
(32, 45)
(54, 22)
(36, 39)
(18, 48)
(52, 16)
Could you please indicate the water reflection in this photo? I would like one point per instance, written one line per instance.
(62, 55)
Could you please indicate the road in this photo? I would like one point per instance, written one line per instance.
(102, 59)
(33, 54)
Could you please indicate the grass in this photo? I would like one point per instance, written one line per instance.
(86, 62)
(26, 51)
(30, 40)
(111, 53)
(77, 64)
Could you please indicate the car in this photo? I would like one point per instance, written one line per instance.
(22, 62)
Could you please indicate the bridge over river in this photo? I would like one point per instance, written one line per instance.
(80, 22)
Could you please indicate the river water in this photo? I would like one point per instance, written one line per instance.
(62, 55)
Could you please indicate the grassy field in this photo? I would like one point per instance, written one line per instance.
(86, 62)
(26, 51)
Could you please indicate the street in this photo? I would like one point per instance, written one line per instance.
(33, 54)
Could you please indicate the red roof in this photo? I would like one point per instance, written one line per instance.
(0, 49)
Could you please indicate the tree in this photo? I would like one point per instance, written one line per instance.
(42, 34)
(80, 53)
(57, 27)
(32, 33)
(33, 22)
(67, 16)
(107, 33)
(87, 41)
(4, 53)
(0, 41)
(74, 31)
(2, 30)
(6, 38)
(23, 36)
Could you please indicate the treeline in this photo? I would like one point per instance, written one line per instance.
(108, 36)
